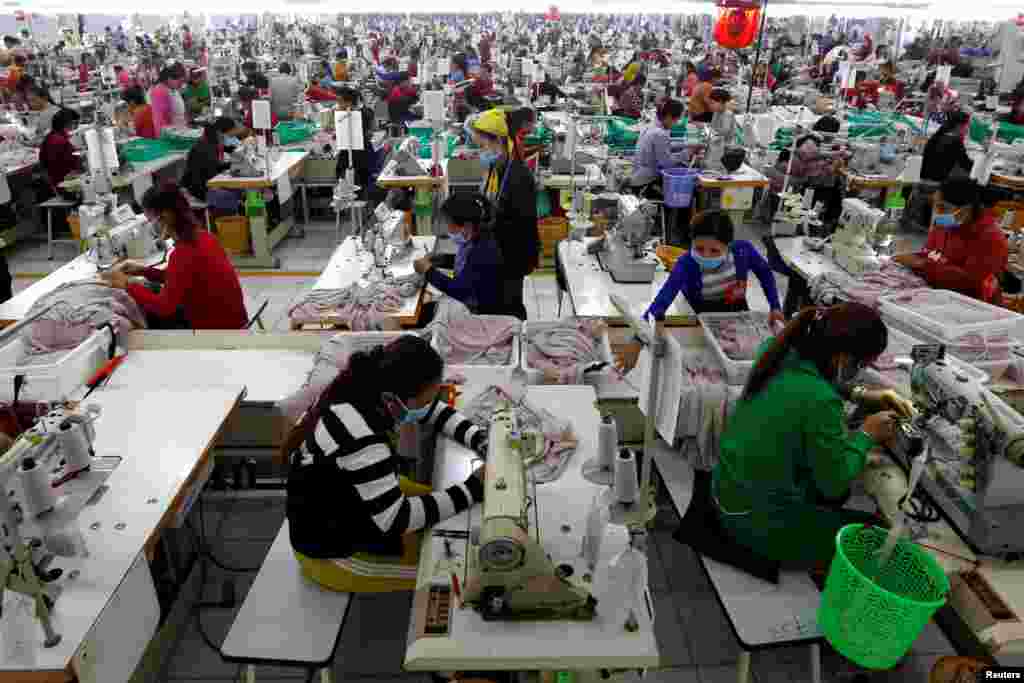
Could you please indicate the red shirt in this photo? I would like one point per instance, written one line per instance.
(399, 92)
(315, 92)
(57, 157)
(83, 75)
(200, 279)
(144, 125)
(969, 259)
(483, 87)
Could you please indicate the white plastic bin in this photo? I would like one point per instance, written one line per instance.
(736, 371)
(536, 375)
(54, 381)
(900, 345)
(947, 315)
(439, 342)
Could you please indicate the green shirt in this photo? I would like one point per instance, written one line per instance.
(197, 96)
(781, 450)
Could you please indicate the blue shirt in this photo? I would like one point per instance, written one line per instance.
(687, 278)
(653, 155)
(478, 283)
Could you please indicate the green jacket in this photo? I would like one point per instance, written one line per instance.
(197, 97)
(782, 450)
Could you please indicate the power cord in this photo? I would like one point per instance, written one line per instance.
(920, 510)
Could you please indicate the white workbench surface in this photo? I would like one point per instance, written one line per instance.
(745, 176)
(162, 438)
(139, 170)
(475, 644)
(287, 162)
(590, 287)
(807, 263)
(79, 268)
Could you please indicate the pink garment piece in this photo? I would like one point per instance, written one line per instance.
(478, 340)
(360, 309)
(867, 288)
(564, 352)
(741, 335)
(79, 309)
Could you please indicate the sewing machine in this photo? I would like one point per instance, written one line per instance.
(115, 232)
(853, 242)
(623, 249)
(52, 474)
(867, 157)
(1009, 158)
(509, 576)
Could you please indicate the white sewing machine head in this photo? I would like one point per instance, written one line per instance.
(509, 576)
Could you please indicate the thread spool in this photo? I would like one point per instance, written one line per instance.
(74, 446)
(35, 482)
(601, 468)
(626, 484)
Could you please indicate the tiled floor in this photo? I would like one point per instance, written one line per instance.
(696, 643)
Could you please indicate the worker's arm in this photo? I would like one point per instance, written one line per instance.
(765, 276)
(176, 282)
(834, 455)
(675, 284)
(455, 426)
(986, 259)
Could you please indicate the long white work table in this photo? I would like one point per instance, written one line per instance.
(350, 263)
(107, 612)
(475, 644)
(590, 287)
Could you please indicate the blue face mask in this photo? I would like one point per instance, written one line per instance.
(410, 415)
(707, 262)
(231, 141)
(488, 159)
(458, 239)
(947, 221)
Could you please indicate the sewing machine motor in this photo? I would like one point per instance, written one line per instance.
(853, 243)
(509, 576)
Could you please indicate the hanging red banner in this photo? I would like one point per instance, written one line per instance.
(738, 23)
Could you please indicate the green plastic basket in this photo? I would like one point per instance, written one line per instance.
(142, 150)
(290, 132)
(874, 622)
(176, 143)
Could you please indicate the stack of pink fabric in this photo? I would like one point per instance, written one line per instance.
(79, 309)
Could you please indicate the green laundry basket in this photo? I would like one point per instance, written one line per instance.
(874, 622)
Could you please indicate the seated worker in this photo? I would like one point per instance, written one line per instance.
(477, 282)
(57, 155)
(631, 99)
(687, 80)
(713, 274)
(200, 290)
(124, 78)
(340, 69)
(204, 161)
(362, 160)
(787, 458)
(1016, 115)
(702, 105)
(352, 517)
(945, 151)
(231, 133)
(483, 86)
(811, 168)
(142, 113)
(653, 149)
(44, 110)
(197, 92)
(400, 101)
(388, 71)
(547, 88)
(966, 251)
(15, 73)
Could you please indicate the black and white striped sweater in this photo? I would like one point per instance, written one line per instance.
(343, 491)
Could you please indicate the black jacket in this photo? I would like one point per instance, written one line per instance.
(515, 220)
(202, 164)
(942, 155)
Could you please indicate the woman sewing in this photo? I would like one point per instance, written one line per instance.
(945, 151)
(200, 289)
(966, 251)
(702, 103)
(713, 274)
(477, 282)
(787, 458)
(352, 517)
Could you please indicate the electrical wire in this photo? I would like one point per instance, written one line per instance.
(204, 549)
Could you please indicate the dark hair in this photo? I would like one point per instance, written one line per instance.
(246, 94)
(954, 120)
(472, 209)
(212, 133)
(285, 68)
(260, 82)
(64, 119)
(961, 191)
(804, 138)
(817, 335)
(134, 96)
(715, 224)
(342, 54)
(225, 124)
(169, 197)
(670, 107)
(402, 367)
(827, 124)
(350, 94)
(167, 73)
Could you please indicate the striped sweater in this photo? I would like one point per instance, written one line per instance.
(343, 490)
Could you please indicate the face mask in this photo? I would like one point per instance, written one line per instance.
(409, 415)
(488, 159)
(458, 239)
(947, 221)
(707, 262)
(231, 141)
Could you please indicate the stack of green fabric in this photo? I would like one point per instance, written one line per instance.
(178, 143)
(291, 132)
(981, 132)
(143, 150)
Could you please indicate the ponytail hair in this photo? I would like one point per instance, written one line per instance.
(670, 107)
(474, 211)
(404, 367)
(818, 335)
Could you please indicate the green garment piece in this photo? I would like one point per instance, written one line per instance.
(197, 96)
(782, 450)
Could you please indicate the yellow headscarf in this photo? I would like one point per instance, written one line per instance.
(494, 122)
(631, 72)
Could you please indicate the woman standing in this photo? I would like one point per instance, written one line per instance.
(162, 98)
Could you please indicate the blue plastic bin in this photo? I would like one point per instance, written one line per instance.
(678, 186)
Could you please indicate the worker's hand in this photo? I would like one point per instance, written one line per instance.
(776, 318)
(887, 399)
(422, 265)
(129, 267)
(116, 279)
(912, 261)
(881, 427)
(625, 364)
(837, 165)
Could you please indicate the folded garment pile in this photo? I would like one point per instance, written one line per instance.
(739, 335)
(563, 350)
(357, 307)
(477, 339)
(867, 288)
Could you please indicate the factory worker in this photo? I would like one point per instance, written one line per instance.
(966, 251)
(653, 149)
(141, 113)
(945, 151)
(197, 92)
(205, 161)
(39, 104)
(352, 517)
(200, 290)
(712, 275)
(162, 98)
(631, 100)
(787, 458)
(57, 155)
(701, 104)
(477, 282)
(1016, 115)
(363, 160)
(512, 190)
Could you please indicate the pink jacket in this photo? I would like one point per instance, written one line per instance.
(163, 107)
